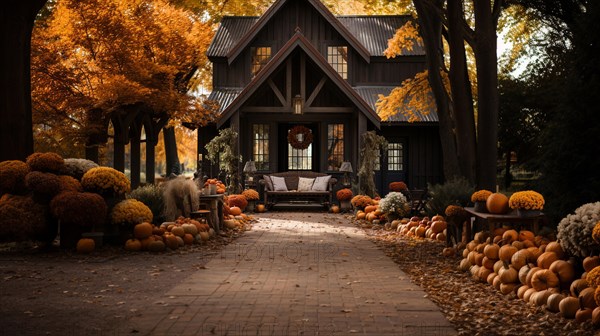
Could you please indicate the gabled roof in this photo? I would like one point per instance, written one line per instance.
(319, 7)
(373, 32)
(298, 41)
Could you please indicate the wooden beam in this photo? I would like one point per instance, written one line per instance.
(273, 109)
(323, 109)
(303, 76)
(288, 82)
(277, 92)
(315, 92)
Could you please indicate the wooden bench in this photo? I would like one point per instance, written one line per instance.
(292, 196)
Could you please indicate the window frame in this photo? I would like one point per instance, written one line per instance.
(265, 164)
(345, 75)
(259, 64)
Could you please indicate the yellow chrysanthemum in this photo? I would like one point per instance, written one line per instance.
(480, 195)
(131, 212)
(103, 179)
(528, 200)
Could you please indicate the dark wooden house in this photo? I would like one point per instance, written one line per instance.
(298, 64)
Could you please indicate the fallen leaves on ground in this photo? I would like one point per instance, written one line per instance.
(474, 308)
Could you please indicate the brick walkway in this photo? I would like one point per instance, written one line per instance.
(296, 274)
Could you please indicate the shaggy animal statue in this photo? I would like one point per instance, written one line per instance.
(181, 198)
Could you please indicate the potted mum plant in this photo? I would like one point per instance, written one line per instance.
(527, 203)
(479, 198)
(395, 205)
(344, 196)
(251, 196)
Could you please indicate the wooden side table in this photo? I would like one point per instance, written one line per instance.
(512, 218)
(215, 205)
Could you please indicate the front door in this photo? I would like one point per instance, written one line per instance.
(392, 167)
(297, 159)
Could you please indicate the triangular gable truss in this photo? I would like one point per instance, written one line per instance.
(264, 76)
(243, 43)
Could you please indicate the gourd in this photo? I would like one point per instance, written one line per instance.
(506, 252)
(236, 211)
(178, 231)
(510, 236)
(260, 208)
(188, 239)
(564, 270)
(491, 251)
(521, 291)
(553, 302)
(586, 298)
(335, 209)
(526, 235)
(171, 241)
(556, 248)
(156, 246)
(546, 259)
(85, 245)
(464, 265)
(577, 286)
(568, 307)
(497, 203)
(143, 230)
(370, 208)
(520, 259)
(508, 274)
(584, 313)
(544, 279)
(596, 317)
(523, 274)
(589, 263)
(133, 245)
(438, 226)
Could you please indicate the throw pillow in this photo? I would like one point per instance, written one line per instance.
(305, 184)
(279, 183)
(320, 183)
(269, 183)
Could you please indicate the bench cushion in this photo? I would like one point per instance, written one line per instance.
(321, 183)
(279, 183)
(305, 184)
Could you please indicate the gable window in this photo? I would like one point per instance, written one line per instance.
(260, 57)
(260, 146)
(335, 146)
(337, 56)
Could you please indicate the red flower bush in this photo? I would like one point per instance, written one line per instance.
(68, 183)
(43, 185)
(75, 208)
(21, 218)
(398, 186)
(361, 201)
(344, 194)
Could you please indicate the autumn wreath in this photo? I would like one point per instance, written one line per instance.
(307, 137)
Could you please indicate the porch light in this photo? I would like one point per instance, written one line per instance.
(346, 168)
(298, 104)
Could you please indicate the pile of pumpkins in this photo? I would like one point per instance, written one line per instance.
(171, 235)
(432, 228)
(372, 213)
(235, 219)
(536, 270)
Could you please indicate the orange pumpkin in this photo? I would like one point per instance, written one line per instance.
(526, 235)
(544, 279)
(438, 226)
(589, 263)
(335, 209)
(143, 230)
(370, 208)
(546, 259)
(260, 208)
(133, 245)
(564, 270)
(85, 245)
(361, 215)
(556, 248)
(497, 203)
(236, 211)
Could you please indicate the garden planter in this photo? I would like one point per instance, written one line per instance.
(480, 207)
(528, 213)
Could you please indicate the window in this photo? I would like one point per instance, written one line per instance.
(335, 146)
(395, 155)
(260, 57)
(337, 56)
(260, 146)
(299, 159)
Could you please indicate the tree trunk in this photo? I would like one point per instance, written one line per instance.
(488, 96)
(431, 30)
(172, 157)
(462, 98)
(16, 24)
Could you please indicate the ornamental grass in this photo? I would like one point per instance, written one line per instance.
(480, 195)
(528, 200)
(344, 194)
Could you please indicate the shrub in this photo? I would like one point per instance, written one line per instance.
(250, 194)
(44, 185)
(238, 201)
(398, 186)
(395, 204)
(456, 191)
(152, 196)
(105, 180)
(87, 210)
(78, 167)
(21, 218)
(361, 201)
(130, 212)
(575, 230)
(344, 194)
(12, 176)
(46, 162)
